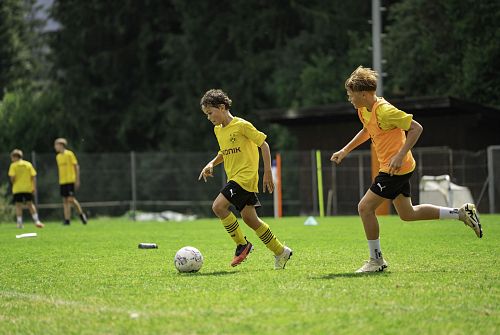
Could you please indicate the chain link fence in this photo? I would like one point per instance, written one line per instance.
(118, 183)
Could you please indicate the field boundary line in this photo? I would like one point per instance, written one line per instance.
(71, 303)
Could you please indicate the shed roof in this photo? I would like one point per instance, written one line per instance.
(424, 106)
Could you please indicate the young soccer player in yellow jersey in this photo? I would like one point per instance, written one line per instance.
(69, 179)
(239, 142)
(23, 178)
(386, 126)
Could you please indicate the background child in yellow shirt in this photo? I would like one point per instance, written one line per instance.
(23, 178)
(69, 179)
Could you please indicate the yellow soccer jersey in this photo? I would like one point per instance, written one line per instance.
(23, 172)
(66, 162)
(389, 117)
(239, 142)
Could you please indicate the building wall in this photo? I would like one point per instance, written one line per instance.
(467, 132)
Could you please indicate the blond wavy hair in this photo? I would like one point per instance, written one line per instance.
(362, 79)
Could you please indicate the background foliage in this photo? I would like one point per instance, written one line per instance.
(128, 75)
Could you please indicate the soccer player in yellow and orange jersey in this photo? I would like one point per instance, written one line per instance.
(386, 126)
(239, 143)
(23, 177)
(69, 179)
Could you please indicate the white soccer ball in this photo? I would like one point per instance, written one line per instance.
(188, 259)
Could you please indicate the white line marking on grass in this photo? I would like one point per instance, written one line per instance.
(75, 304)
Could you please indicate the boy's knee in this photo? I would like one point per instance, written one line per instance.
(215, 208)
(218, 209)
(364, 208)
(405, 216)
(248, 217)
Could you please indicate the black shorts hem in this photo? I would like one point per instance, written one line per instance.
(239, 197)
(390, 187)
(67, 190)
(22, 197)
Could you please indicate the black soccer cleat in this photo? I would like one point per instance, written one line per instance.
(241, 253)
(84, 218)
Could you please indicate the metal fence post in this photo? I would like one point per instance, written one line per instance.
(491, 178)
(361, 172)
(450, 171)
(314, 184)
(33, 162)
(133, 203)
(335, 207)
(450, 162)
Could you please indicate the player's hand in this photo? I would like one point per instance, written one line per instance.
(338, 156)
(208, 171)
(77, 185)
(395, 164)
(267, 182)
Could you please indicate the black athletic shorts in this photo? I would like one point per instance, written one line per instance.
(22, 197)
(390, 187)
(239, 197)
(67, 190)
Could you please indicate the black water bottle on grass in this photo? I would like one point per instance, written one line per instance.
(148, 246)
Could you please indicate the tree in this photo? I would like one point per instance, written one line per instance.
(108, 61)
(31, 119)
(29, 104)
(132, 73)
(17, 66)
(445, 47)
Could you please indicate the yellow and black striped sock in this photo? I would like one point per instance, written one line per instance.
(267, 236)
(233, 228)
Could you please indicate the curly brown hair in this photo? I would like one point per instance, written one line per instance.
(215, 98)
(362, 79)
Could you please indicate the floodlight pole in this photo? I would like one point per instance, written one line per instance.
(377, 44)
(385, 207)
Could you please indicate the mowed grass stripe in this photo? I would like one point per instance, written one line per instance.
(94, 280)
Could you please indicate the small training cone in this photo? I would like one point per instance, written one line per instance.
(311, 221)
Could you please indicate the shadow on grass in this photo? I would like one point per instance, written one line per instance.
(211, 274)
(352, 275)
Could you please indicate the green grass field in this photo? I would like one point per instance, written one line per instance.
(93, 280)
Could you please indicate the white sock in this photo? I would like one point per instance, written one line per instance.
(448, 213)
(375, 251)
(19, 220)
(35, 217)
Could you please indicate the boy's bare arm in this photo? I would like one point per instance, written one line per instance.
(33, 182)
(12, 180)
(361, 137)
(208, 170)
(267, 178)
(411, 139)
